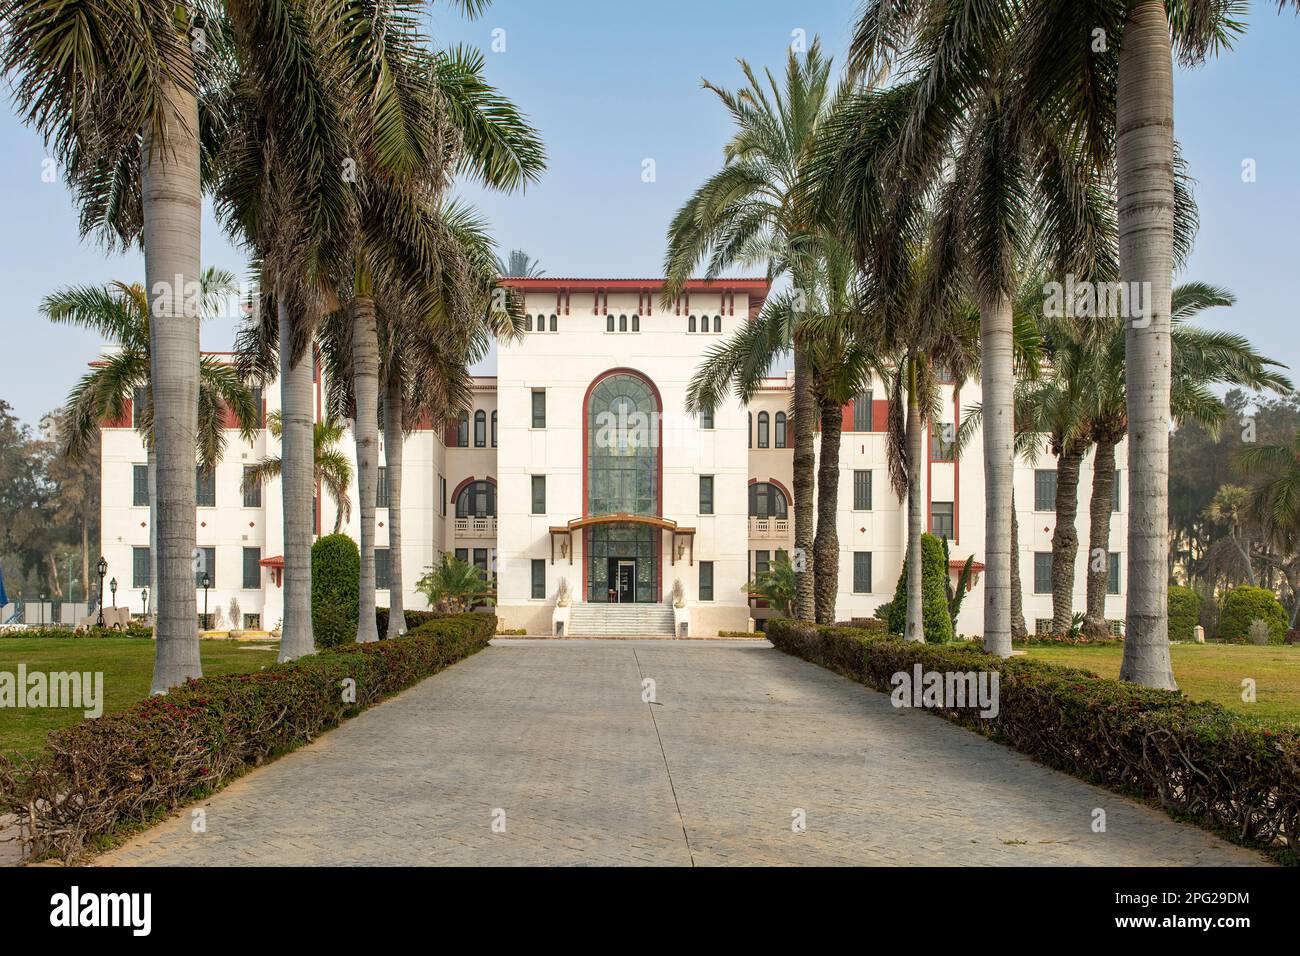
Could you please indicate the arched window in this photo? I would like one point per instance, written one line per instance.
(767, 501)
(636, 323)
(528, 322)
(690, 324)
(717, 323)
(478, 499)
(494, 429)
(780, 430)
(609, 323)
(541, 323)
(622, 323)
(554, 324)
(480, 429)
(762, 429)
(462, 430)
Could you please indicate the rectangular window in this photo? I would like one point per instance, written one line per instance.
(862, 412)
(259, 406)
(706, 420)
(1112, 574)
(139, 398)
(480, 429)
(442, 496)
(861, 572)
(205, 487)
(381, 488)
(140, 486)
(1115, 504)
(762, 561)
(252, 493)
(207, 564)
(1045, 489)
(943, 445)
(539, 579)
(862, 491)
(1042, 572)
(383, 569)
(252, 569)
(139, 567)
(539, 494)
(706, 580)
(539, 408)
(941, 525)
(462, 554)
(706, 494)
(480, 560)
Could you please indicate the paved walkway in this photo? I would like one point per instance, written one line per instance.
(552, 740)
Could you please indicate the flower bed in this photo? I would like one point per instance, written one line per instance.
(1237, 775)
(129, 768)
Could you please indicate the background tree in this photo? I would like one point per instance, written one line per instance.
(330, 466)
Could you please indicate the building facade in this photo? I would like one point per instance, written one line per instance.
(581, 484)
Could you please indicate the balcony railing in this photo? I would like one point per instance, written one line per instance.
(476, 527)
(770, 528)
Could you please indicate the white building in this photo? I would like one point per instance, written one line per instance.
(578, 466)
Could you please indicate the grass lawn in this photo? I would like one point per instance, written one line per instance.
(127, 665)
(1210, 672)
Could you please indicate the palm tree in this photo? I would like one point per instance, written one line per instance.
(753, 212)
(454, 584)
(776, 585)
(330, 467)
(120, 313)
(113, 87)
(519, 265)
(1273, 505)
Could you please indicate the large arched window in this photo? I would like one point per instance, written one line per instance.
(462, 430)
(480, 429)
(622, 446)
(767, 500)
(478, 499)
(762, 429)
(779, 441)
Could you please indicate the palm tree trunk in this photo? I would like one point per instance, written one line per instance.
(1144, 137)
(804, 464)
(151, 473)
(999, 454)
(171, 203)
(365, 385)
(826, 547)
(915, 626)
(1065, 538)
(1099, 512)
(394, 437)
(1018, 629)
(297, 479)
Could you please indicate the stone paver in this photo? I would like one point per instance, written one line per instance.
(555, 734)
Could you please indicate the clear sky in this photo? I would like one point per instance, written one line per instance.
(610, 85)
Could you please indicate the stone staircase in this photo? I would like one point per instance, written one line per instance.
(620, 620)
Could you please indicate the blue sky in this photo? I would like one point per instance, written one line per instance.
(610, 85)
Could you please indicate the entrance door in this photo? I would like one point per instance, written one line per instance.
(623, 579)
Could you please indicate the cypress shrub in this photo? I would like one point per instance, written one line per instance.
(934, 602)
(335, 590)
(1184, 613)
(1245, 604)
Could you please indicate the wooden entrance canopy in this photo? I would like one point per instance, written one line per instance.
(565, 532)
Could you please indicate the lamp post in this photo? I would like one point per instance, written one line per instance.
(207, 583)
(112, 588)
(144, 594)
(42, 610)
(102, 568)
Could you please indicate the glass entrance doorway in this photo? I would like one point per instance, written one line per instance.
(621, 560)
(622, 580)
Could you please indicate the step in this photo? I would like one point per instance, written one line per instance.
(593, 620)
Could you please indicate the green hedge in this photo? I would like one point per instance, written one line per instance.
(129, 768)
(335, 590)
(935, 618)
(1184, 613)
(134, 629)
(1245, 604)
(413, 619)
(1235, 774)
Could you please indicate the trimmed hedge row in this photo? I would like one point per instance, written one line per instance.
(135, 629)
(413, 619)
(1235, 774)
(127, 769)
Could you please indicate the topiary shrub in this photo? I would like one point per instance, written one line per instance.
(1184, 613)
(1245, 604)
(335, 590)
(934, 600)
